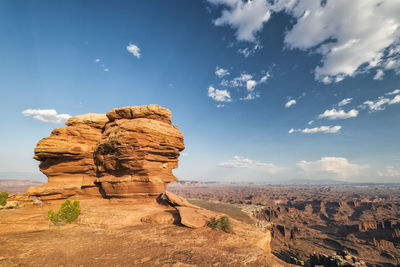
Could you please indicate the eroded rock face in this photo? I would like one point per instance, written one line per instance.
(129, 152)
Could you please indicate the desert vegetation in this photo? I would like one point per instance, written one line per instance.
(3, 198)
(223, 223)
(68, 213)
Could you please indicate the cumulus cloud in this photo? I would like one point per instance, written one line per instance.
(247, 81)
(321, 129)
(389, 171)
(336, 166)
(246, 17)
(345, 102)
(134, 50)
(46, 115)
(242, 162)
(290, 103)
(220, 72)
(250, 85)
(219, 95)
(346, 39)
(334, 114)
(349, 42)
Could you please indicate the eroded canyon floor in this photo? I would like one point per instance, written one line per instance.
(315, 223)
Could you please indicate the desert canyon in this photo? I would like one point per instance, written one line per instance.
(118, 166)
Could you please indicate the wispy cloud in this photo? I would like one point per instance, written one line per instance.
(334, 114)
(321, 129)
(219, 95)
(394, 92)
(382, 102)
(134, 50)
(242, 162)
(46, 115)
(102, 65)
(345, 102)
(249, 51)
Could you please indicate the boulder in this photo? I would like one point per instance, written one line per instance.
(195, 217)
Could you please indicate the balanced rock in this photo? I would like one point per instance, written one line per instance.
(129, 152)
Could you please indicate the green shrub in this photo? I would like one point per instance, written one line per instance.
(67, 213)
(222, 223)
(3, 198)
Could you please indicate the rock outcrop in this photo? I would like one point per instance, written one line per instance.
(129, 152)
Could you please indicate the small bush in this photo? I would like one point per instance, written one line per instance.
(3, 198)
(67, 213)
(222, 223)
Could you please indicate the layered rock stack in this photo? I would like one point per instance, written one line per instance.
(129, 152)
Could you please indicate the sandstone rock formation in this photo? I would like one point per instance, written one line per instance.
(127, 153)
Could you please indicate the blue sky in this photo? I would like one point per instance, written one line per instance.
(262, 90)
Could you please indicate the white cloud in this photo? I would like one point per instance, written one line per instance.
(345, 102)
(389, 171)
(220, 72)
(394, 92)
(290, 103)
(345, 39)
(265, 78)
(242, 162)
(382, 102)
(246, 52)
(134, 50)
(219, 95)
(334, 114)
(251, 96)
(376, 105)
(237, 81)
(246, 17)
(220, 106)
(379, 75)
(246, 80)
(46, 115)
(395, 100)
(250, 85)
(349, 42)
(310, 122)
(321, 129)
(102, 65)
(337, 166)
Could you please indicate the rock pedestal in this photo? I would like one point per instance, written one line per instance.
(129, 152)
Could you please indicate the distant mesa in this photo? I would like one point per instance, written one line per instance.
(129, 152)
